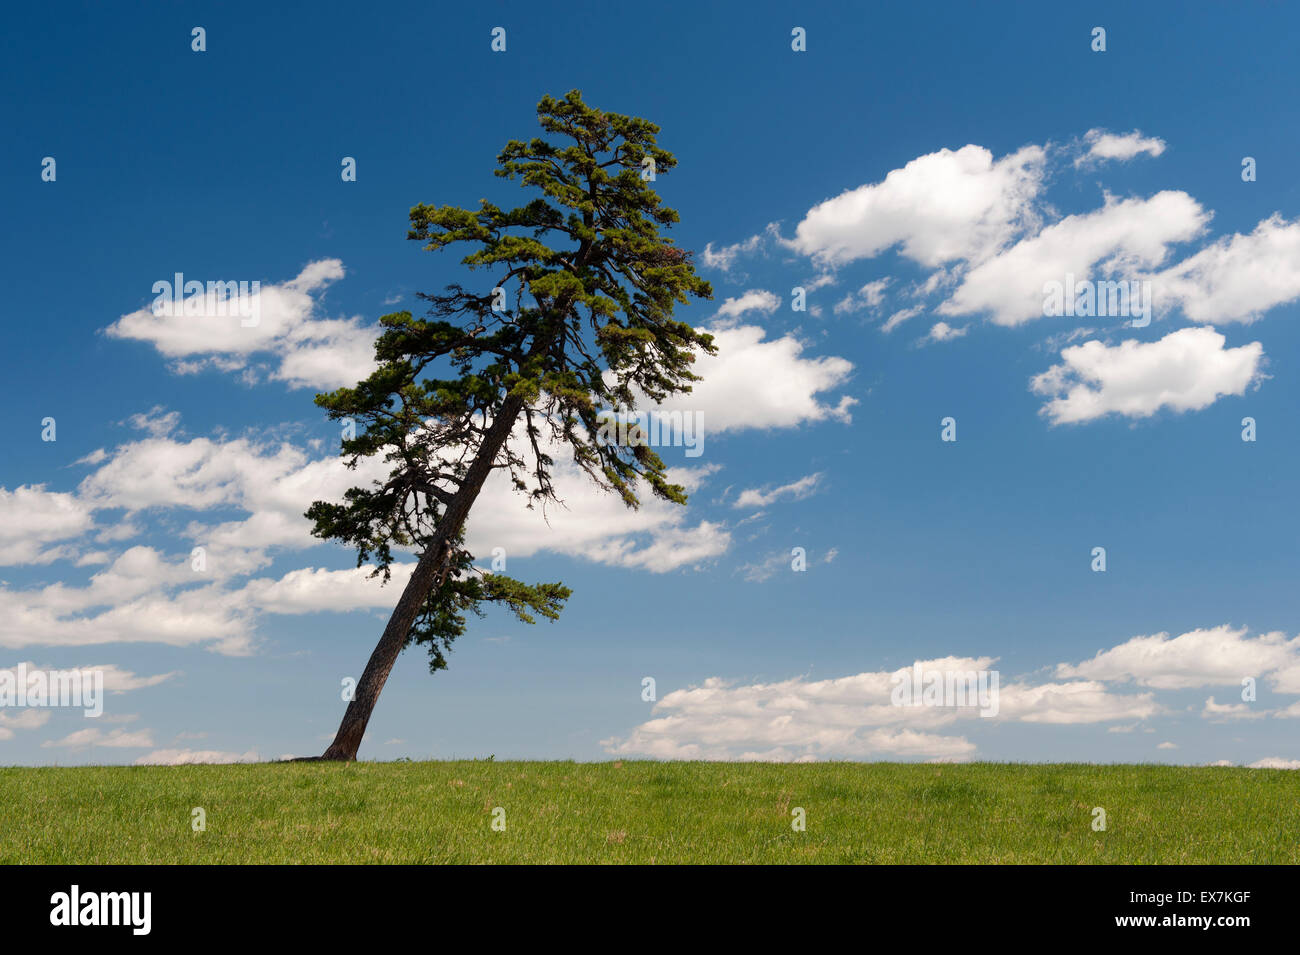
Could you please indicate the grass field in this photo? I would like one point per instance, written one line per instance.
(646, 812)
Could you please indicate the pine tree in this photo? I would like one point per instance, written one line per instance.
(579, 322)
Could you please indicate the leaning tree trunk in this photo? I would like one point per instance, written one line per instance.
(428, 575)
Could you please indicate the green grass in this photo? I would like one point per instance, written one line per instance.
(648, 812)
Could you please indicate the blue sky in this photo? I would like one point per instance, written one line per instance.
(919, 171)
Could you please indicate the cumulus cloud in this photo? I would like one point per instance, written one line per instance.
(978, 223)
(828, 278)
(1224, 712)
(205, 616)
(116, 680)
(852, 717)
(144, 595)
(1081, 702)
(1103, 145)
(868, 296)
(724, 259)
(280, 321)
(1187, 370)
(943, 332)
(189, 757)
(271, 482)
(1218, 656)
(846, 718)
(755, 300)
(32, 519)
(318, 590)
(1126, 237)
(595, 525)
(27, 719)
(947, 205)
(1237, 278)
(755, 383)
(196, 474)
(94, 736)
(855, 717)
(157, 421)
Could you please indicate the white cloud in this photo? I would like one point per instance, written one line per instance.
(1187, 370)
(1103, 145)
(900, 316)
(796, 490)
(134, 573)
(317, 590)
(755, 300)
(189, 757)
(668, 549)
(939, 279)
(1274, 762)
(26, 719)
(594, 524)
(775, 722)
(157, 421)
(1287, 678)
(725, 258)
(143, 595)
(312, 351)
(1124, 237)
(1238, 277)
(32, 518)
(767, 568)
(273, 483)
(868, 296)
(1288, 712)
(94, 736)
(977, 223)
(1219, 656)
(850, 717)
(196, 474)
(854, 717)
(1080, 702)
(753, 383)
(943, 332)
(326, 354)
(1223, 712)
(116, 680)
(206, 616)
(940, 207)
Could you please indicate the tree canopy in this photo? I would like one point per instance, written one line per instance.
(578, 320)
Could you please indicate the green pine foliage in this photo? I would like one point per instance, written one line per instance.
(577, 319)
